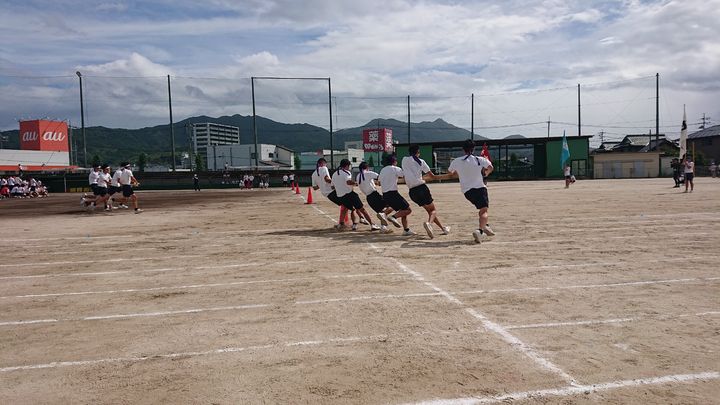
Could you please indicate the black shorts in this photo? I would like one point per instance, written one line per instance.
(102, 191)
(94, 188)
(376, 202)
(113, 189)
(479, 197)
(395, 201)
(127, 190)
(334, 198)
(689, 176)
(421, 195)
(567, 177)
(351, 201)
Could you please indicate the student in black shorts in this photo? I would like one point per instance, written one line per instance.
(415, 169)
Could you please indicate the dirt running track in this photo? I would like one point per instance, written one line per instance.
(608, 292)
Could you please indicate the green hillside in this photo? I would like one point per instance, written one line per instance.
(116, 144)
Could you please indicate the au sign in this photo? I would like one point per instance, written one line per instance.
(54, 135)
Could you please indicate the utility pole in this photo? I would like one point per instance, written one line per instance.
(602, 137)
(408, 108)
(172, 127)
(82, 119)
(657, 120)
(579, 116)
(254, 122)
(472, 116)
(548, 122)
(705, 121)
(332, 153)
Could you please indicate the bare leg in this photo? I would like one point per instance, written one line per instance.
(483, 217)
(365, 214)
(432, 215)
(133, 198)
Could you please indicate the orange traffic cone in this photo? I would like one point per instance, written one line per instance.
(297, 189)
(309, 199)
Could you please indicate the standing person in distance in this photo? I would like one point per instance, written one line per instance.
(196, 182)
(366, 182)
(472, 171)
(388, 178)
(127, 181)
(321, 181)
(689, 166)
(568, 176)
(415, 170)
(343, 183)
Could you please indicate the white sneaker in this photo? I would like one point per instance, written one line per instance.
(383, 218)
(446, 230)
(409, 232)
(340, 227)
(375, 227)
(385, 229)
(488, 231)
(363, 221)
(478, 236)
(428, 229)
(124, 206)
(394, 221)
(82, 202)
(354, 227)
(137, 211)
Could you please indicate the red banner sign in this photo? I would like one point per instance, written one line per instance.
(44, 135)
(377, 140)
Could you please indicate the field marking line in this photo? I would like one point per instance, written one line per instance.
(135, 315)
(566, 239)
(210, 285)
(225, 350)
(582, 286)
(160, 270)
(573, 265)
(608, 321)
(367, 297)
(509, 338)
(124, 259)
(577, 389)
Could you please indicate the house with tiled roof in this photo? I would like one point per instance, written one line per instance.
(705, 145)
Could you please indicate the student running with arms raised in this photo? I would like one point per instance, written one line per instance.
(472, 170)
(415, 171)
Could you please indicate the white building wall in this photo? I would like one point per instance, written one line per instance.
(11, 157)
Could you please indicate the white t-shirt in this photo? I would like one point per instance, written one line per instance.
(469, 170)
(567, 171)
(689, 167)
(388, 178)
(93, 177)
(339, 181)
(285, 178)
(103, 180)
(292, 177)
(125, 177)
(116, 178)
(318, 179)
(367, 186)
(414, 171)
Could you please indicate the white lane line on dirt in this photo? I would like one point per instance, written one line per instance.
(195, 286)
(367, 297)
(607, 321)
(583, 286)
(225, 350)
(136, 315)
(577, 389)
(488, 324)
(574, 265)
(602, 238)
(102, 261)
(162, 270)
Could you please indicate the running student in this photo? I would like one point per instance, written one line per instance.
(127, 181)
(388, 178)
(366, 181)
(115, 188)
(92, 180)
(472, 171)
(321, 181)
(343, 183)
(414, 169)
(103, 183)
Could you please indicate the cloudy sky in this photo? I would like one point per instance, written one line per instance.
(521, 59)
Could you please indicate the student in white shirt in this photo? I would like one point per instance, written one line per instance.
(472, 171)
(291, 179)
(321, 181)
(366, 182)
(127, 181)
(414, 169)
(115, 190)
(388, 179)
(87, 201)
(568, 176)
(103, 182)
(285, 180)
(343, 183)
(689, 173)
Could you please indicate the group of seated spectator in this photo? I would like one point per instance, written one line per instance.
(16, 187)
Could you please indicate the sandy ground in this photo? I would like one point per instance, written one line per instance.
(608, 292)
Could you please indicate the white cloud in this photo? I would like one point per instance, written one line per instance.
(134, 65)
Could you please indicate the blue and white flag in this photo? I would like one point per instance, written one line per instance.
(565, 154)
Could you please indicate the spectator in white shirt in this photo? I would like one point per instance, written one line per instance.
(689, 173)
